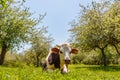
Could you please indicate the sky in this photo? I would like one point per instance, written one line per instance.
(59, 14)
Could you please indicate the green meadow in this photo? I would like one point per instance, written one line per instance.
(77, 72)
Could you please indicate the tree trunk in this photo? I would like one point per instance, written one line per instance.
(104, 57)
(38, 61)
(3, 52)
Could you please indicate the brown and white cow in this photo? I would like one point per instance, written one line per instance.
(59, 57)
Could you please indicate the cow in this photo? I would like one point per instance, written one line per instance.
(59, 57)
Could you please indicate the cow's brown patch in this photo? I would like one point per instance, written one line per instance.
(54, 59)
(55, 50)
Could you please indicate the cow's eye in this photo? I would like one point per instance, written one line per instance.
(61, 52)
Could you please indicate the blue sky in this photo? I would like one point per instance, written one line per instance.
(59, 14)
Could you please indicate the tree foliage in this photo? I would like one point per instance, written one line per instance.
(97, 27)
(41, 44)
(16, 24)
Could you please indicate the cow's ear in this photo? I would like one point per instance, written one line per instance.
(56, 50)
(74, 51)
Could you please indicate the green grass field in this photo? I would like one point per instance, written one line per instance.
(77, 72)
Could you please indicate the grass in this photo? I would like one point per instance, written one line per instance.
(77, 72)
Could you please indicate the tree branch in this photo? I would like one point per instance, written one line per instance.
(116, 49)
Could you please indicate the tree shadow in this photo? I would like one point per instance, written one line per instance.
(98, 68)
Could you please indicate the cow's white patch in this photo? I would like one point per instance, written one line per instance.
(65, 49)
(65, 70)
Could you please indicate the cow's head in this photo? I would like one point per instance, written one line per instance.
(66, 50)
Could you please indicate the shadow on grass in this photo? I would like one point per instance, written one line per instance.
(98, 67)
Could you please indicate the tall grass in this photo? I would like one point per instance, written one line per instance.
(77, 72)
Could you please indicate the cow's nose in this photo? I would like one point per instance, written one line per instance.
(67, 61)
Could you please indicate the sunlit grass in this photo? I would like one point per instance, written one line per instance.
(77, 72)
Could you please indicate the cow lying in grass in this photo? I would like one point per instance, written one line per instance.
(59, 57)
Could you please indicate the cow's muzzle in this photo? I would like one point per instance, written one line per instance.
(67, 61)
